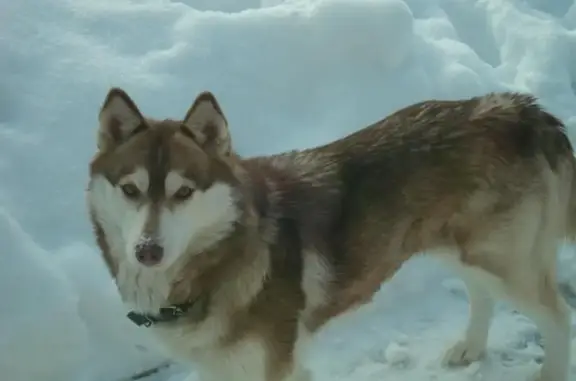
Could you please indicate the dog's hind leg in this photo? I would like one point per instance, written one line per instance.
(531, 284)
(540, 300)
(514, 257)
(552, 316)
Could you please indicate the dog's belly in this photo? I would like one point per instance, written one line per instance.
(184, 339)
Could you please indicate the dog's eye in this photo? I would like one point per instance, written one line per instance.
(183, 193)
(130, 191)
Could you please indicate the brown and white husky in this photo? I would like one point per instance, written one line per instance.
(234, 262)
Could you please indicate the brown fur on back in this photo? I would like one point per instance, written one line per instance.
(423, 178)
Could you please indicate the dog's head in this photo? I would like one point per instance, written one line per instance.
(161, 189)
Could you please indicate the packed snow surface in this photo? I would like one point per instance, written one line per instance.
(289, 74)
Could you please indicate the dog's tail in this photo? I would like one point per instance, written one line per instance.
(567, 285)
(571, 228)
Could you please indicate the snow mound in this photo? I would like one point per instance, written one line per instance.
(41, 334)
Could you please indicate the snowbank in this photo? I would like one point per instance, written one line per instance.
(61, 316)
(41, 334)
(289, 74)
(117, 347)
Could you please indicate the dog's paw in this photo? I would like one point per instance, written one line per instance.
(542, 375)
(463, 353)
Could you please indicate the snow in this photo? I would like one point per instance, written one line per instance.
(289, 74)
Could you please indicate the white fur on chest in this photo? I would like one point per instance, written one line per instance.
(144, 290)
(245, 361)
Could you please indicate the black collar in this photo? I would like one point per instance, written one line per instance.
(196, 309)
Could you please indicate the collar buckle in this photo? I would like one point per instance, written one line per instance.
(172, 311)
(196, 310)
(165, 315)
(140, 319)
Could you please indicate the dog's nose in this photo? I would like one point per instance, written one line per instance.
(149, 253)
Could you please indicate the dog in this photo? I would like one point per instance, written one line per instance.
(236, 262)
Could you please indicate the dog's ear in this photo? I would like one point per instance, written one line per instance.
(119, 119)
(206, 124)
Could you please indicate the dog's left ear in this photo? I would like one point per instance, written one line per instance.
(206, 123)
